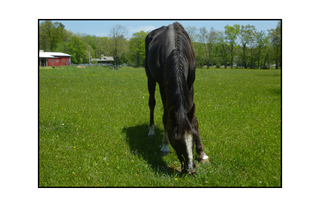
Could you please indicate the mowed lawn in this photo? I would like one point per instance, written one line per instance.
(93, 126)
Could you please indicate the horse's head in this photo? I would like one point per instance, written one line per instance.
(182, 129)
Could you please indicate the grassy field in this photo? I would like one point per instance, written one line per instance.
(93, 126)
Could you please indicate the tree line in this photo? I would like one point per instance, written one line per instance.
(238, 46)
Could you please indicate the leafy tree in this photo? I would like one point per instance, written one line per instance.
(137, 47)
(223, 48)
(63, 45)
(202, 37)
(90, 43)
(247, 34)
(76, 50)
(207, 41)
(50, 35)
(211, 41)
(232, 33)
(199, 54)
(262, 41)
(192, 32)
(267, 56)
(275, 37)
(124, 53)
(118, 45)
(238, 56)
(103, 46)
(252, 48)
(43, 37)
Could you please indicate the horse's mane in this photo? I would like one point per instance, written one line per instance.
(174, 70)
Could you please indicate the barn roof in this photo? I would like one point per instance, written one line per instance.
(44, 55)
(51, 54)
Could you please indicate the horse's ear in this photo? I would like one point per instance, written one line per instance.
(191, 113)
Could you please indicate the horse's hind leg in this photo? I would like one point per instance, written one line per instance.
(165, 143)
(152, 103)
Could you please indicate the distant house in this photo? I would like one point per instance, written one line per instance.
(104, 59)
(54, 58)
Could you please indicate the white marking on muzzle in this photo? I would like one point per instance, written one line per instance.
(188, 139)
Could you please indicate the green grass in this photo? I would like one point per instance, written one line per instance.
(93, 126)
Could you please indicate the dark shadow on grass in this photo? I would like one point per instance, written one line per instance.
(147, 147)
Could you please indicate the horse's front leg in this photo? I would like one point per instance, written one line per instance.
(203, 158)
(152, 103)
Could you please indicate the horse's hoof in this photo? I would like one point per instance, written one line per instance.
(151, 131)
(202, 161)
(189, 172)
(203, 158)
(165, 148)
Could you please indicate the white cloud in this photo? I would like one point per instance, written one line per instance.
(143, 28)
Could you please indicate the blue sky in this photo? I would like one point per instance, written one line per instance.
(102, 27)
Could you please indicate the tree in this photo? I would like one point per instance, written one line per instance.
(192, 32)
(203, 40)
(103, 46)
(207, 40)
(238, 57)
(223, 51)
(252, 48)
(211, 40)
(261, 40)
(232, 33)
(76, 50)
(247, 34)
(43, 37)
(199, 54)
(50, 35)
(118, 45)
(267, 56)
(63, 45)
(275, 37)
(137, 47)
(90, 43)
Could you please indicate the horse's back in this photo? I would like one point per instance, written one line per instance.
(159, 44)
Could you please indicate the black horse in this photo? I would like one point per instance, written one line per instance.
(171, 63)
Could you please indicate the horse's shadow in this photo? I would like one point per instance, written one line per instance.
(148, 147)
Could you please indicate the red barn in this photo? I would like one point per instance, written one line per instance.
(54, 58)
